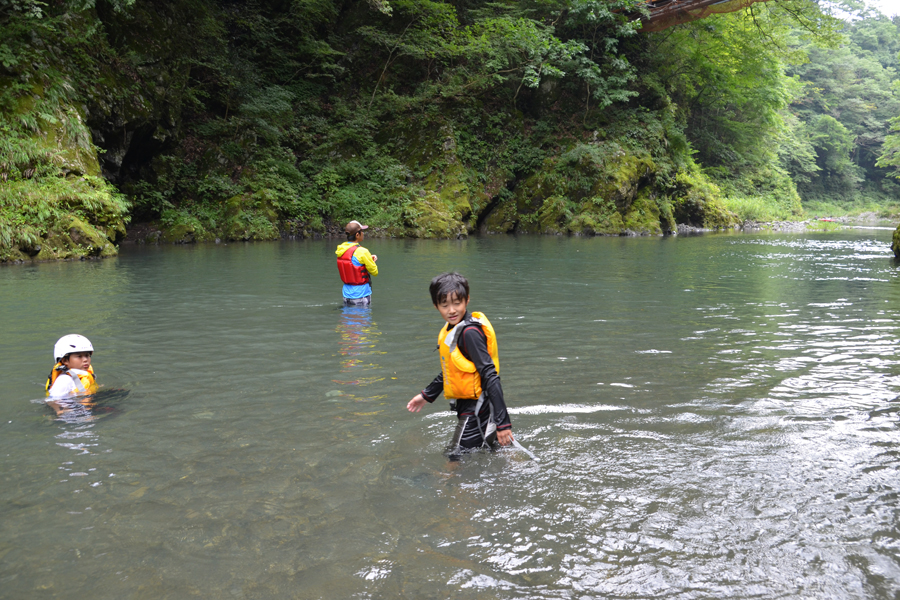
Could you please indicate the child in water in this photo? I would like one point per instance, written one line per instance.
(73, 372)
(469, 369)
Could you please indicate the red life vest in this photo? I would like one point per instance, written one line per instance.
(350, 273)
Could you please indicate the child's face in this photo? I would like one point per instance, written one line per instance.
(452, 308)
(78, 360)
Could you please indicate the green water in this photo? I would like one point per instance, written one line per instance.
(715, 417)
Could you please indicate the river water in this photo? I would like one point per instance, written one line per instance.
(714, 417)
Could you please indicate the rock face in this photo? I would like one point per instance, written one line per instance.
(590, 188)
(67, 211)
(75, 238)
(602, 189)
(895, 246)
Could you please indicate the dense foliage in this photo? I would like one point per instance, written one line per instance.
(248, 120)
(844, 113)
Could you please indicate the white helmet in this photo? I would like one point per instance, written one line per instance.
(71, 343)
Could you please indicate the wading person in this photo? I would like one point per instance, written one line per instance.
(469, 364)
(71, 382)
(72, 373)
(356, 266)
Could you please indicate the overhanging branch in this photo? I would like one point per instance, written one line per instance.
(667, 13)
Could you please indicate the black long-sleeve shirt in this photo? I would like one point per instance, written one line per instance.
(473, 345)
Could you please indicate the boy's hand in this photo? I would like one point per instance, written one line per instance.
(416, 404)
(374, 258)
(504, 437)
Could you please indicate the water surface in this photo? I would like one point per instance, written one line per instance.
(715, 417)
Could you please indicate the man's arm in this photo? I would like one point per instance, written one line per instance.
(365, 257)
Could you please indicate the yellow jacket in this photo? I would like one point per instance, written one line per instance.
(461, 378)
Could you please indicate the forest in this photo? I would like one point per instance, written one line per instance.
(184, 121)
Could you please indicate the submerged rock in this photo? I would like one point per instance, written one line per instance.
(895, 246)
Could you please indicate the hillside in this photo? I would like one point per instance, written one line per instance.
(204, 120)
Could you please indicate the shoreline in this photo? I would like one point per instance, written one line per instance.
(147, 234)
(868, 220)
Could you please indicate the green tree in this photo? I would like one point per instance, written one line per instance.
(728, 83)
(852, 84)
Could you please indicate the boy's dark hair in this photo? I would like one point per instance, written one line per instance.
(446, 284)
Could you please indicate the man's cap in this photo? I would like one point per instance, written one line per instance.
(354, 227)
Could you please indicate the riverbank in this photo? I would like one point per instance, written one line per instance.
(152, 233)
(868, 219)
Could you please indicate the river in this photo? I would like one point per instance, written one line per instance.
(714, 416)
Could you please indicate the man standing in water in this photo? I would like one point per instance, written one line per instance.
(356, 266)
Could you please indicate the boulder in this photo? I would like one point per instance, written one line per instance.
(895, 246)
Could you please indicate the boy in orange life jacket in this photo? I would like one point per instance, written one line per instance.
(469, 365)
(356, 266)
(73, 372)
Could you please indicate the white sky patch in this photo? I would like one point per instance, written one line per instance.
(888, 7)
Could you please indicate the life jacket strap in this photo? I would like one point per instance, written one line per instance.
(75, 378)
(485, 435)
(452, 339)
(78, 385)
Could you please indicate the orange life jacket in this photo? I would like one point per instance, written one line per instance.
(88, 381)
(461, 378)
(350, 273)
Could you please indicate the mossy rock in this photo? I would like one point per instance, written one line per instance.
(697, 201)
(504, 218)
(180, 233)
(116, 231)
(601, 216)
(622, 177)
(895, 246)
(430, 217)
(454, 195)
(451, 188)
(64, 209)
(65, 134)
(589, 188)
(666, 214)
(182, 228)
(592, 224)
(531, 196)
(12, 255)
(75, 158)
(555, 215)
(643, 216)
(75, 239)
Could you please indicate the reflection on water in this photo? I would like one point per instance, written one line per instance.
(716, 417)
(358, 338)
(82, 409)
